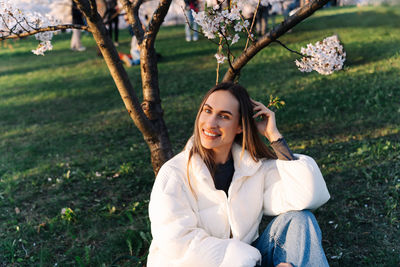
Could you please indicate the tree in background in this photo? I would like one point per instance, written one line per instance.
(146, 114)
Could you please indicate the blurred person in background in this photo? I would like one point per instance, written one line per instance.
(189, 6)
(77, 18)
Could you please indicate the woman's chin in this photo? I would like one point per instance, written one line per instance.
(207, 143)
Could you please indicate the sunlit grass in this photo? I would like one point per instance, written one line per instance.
(66, 140)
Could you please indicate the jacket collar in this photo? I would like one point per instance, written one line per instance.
(243, 163)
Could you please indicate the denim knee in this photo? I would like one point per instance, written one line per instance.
(300, 217)
(292, 237)
(292, 222)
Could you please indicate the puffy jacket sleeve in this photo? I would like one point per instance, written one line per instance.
(293, 185)
(176, 234)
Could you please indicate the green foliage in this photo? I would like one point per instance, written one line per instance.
(67, 141)
(275, 102)
(67, 214)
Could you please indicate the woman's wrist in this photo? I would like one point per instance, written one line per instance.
(272, 137)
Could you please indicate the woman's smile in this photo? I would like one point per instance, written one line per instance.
(210, 134)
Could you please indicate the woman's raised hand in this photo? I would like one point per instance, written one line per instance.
(267, 125)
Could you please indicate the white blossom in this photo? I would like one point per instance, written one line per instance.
(238, 27)
(225, 13)
(234, 14)
(325, 56)
(220, 58)
(15, 21)
(43, 47)
(235, 39)
(214, 22)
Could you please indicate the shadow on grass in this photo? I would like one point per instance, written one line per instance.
(359, 53)
(59, 108)
(67, 57)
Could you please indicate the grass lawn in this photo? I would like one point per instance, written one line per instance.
(66, 140)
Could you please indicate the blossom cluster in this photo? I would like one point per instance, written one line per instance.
(223, 23)
(325, 56)
(16, 21)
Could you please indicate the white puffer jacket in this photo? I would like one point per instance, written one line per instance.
(191, 226)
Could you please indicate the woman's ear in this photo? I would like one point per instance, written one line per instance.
(239, 129)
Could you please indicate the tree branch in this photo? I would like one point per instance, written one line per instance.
(157, 19)
(84, 6)
(93, 7)
(132, 11)
(303, 13)
(290, 50)
(252, 24)
(46, 29)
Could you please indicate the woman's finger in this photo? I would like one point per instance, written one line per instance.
(255, 102)
(257, 108)
(260, 113)
(265, 109)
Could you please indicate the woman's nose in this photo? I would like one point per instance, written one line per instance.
(211, 121)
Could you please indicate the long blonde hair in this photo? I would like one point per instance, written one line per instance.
(249, 139)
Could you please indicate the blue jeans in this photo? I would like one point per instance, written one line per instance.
(292, 237)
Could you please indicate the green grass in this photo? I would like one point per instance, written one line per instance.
(67, 141)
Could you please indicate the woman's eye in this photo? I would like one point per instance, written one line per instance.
(225, 117)
(206, 110)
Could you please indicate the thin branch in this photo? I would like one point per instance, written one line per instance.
(5, 22)
(216, 81)
(219, 51)
(248, 33)
(27, 23)
(254, 16)
(46, 29)
(18, 23)
(228, 50)
(293, 51)
(252, 24)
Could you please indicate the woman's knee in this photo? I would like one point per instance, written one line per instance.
(299, 220)
(297, 216)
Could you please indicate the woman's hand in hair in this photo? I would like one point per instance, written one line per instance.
(266, 123)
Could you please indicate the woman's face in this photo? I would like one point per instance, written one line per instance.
(219, 122)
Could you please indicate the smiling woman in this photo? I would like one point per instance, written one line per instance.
(208, 201)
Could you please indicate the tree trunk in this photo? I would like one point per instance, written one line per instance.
(161, 149)
(148, 117)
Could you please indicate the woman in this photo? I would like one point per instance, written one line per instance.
(207, 201)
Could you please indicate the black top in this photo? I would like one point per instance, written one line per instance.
(223, 175)
(224, 172)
